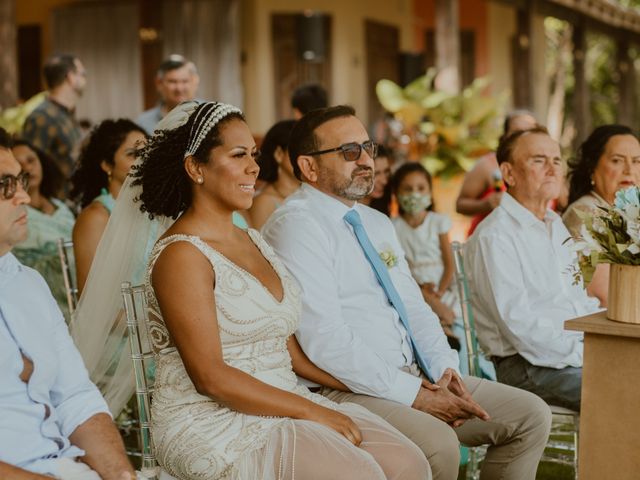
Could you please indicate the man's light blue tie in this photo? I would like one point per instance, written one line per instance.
(352, 217)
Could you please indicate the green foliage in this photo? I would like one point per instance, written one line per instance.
(450, 130)
(12, 119)
(610, 234)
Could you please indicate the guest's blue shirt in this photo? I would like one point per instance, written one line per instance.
(37, 418)
(150, 118)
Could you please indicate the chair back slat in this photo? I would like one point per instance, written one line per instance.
(65, 253)
(468, 320)
(135, 305)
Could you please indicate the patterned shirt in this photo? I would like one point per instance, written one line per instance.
(53, 128)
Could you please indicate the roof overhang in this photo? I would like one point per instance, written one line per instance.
(604, 15)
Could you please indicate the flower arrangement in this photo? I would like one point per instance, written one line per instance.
(610, 235)
(447, 131)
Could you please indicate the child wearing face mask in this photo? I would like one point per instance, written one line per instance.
(424, 237)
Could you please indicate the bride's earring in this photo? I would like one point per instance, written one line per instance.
(200, 180)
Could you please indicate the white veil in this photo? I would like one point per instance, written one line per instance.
(99, 326)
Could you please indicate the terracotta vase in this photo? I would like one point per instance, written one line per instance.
(624, 293)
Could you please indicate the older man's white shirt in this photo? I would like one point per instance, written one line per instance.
(36, 419)
(348, 327)
(522, 288)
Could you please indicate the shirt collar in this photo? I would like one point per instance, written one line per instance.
(68, 111)
(328, 205)
(524, 216)
(9, 267)
(601, 201)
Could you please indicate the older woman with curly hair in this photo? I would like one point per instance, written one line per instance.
(609, 160)
(103, 165)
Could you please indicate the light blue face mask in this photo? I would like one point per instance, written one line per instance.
(413, 203)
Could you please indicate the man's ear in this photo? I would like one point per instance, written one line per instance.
(193, 168)
(308, 167)
(507, 173)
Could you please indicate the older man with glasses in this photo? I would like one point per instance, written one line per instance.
(364, 319)
(51, 415)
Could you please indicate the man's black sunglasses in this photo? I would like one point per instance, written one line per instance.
(9, 184)
(352, 151)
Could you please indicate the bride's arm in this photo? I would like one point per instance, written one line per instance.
(307, 369)
(183, 281)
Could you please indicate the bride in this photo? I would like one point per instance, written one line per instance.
(227, 404)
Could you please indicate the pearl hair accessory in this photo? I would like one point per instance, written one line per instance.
(209, 115)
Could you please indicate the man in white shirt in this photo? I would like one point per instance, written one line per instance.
(522, 288)
(349, 327)
(53, 420)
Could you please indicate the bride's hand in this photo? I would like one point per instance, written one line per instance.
(339, 422)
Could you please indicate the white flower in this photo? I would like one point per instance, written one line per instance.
(633, 229)
(633, 248)
(388, 256)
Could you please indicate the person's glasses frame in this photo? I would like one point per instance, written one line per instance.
(351, 151)
(9, 184)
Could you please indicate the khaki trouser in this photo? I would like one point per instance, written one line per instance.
(516, 433)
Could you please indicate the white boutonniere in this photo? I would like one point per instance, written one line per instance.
(388, 256)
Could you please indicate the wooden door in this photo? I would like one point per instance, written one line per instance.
(291, 71)
(383, 61)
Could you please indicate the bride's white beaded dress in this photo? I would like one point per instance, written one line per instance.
(197, 437)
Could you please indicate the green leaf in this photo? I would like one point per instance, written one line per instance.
(391, 95)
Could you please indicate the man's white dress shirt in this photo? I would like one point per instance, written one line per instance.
(348, 327)
(36, 418)
(522, 290)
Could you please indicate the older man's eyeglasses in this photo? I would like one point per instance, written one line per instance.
(352, 151)
(9, 184)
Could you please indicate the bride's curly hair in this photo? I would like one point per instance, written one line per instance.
(166, 187)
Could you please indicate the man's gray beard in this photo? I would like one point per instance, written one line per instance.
(354, 188)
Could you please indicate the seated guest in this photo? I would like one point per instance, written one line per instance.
(227, 403)
(609, 160)
(482, 188)
(103, 165)
(380, 196)
(366, 323)
(276, 170)
(49, 218)
(424, 238)
(521, 286)
(53, 421)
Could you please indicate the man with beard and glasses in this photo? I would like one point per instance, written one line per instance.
(365, 321)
